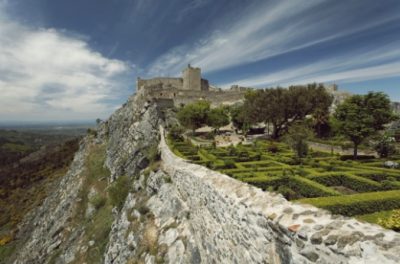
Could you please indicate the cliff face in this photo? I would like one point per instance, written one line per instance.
(135, 208)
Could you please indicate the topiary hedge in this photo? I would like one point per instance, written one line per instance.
(358, 204)
(300, 185)
(353, 182)
(309, 188)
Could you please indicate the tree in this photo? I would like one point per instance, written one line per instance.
(361, 116)
(385, 146)
(297, 137)
(194, 115)
(238, 117)
(281, 107)
(217, 118)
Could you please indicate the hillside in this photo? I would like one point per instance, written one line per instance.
(30, 165)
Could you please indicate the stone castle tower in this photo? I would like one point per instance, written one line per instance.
(191, 78)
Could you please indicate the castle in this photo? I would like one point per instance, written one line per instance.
(189, 88)
(168, 92)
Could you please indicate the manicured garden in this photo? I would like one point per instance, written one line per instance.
(292, 121)
(353, 188)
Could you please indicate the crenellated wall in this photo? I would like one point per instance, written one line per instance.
(233, 222)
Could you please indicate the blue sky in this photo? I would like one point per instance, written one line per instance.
(77, 60)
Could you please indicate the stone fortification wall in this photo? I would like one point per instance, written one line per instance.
(179, 97)
(233, 222)
(177, 83)
(216, 98)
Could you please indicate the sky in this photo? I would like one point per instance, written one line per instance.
(79, 59)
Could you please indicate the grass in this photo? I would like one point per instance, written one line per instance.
(6, 251)
(118, 191)
(97, 227)
(374, 217)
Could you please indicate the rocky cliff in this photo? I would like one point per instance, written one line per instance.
(122, 203)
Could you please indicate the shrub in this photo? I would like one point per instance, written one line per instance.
(231, 150)
(309, 188)
(393, 222)
(143, 209)
(359, 157)
(6, 239)
(353, 182)
(297, 139)
(92, 132)
(98, 201)
(176, 133)
(152, 153)
(287, 193)
(358, 204)
(273, 148)
(389, 185)
(229, 164)
(385, 147)
(118, 191)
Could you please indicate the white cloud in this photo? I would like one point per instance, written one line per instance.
(49, 74)
(360, 66)
(190, 7)
(269, 29)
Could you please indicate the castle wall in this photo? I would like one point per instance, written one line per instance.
(183, 97)
(162, 82)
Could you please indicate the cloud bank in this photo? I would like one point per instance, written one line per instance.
(48, 74)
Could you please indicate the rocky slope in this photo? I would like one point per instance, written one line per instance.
(119, 203)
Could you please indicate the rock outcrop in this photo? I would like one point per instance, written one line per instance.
(177, 212)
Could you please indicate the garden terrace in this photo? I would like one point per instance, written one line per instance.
(365, 188)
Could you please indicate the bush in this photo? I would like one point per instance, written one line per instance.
(273, 148)
(6, 239)
(359, 157)
(92, 132)
(153, 154)
(385, 147)
(229, 164)
(393, 222)
(287, 193)
(176, 133)
(353, 182)
(231, 150)
(309, 188)
(143, 209)
(297, 139)
(358, 204)
(98, 201)
(118, 191)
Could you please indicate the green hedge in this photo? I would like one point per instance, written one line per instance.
(309, 188)
(300, 185)
(353, 182)
(265, 182)
(358, 204)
